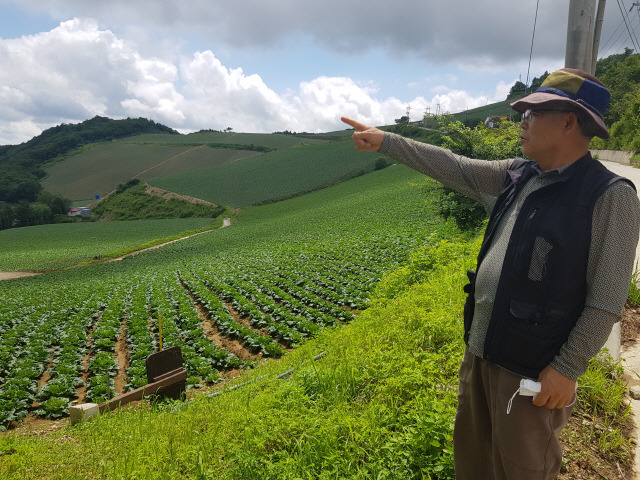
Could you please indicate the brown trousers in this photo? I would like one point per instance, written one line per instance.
(490, 444)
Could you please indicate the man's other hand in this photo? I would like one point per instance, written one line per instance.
(557, 391)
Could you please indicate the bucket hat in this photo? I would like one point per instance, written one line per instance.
(574, 87)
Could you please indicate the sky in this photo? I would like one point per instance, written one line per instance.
(274, 65)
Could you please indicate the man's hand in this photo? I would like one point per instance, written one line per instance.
(557, 391)
(366, 139)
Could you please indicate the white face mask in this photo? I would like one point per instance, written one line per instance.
(530, 388)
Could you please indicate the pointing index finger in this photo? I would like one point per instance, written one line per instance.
(357, 125)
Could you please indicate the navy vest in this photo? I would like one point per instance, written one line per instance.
(542, 286)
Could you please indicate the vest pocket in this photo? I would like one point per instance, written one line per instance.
(538, 265)
(534, 334)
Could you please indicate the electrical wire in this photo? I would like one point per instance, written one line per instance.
(612, 45)
(606, 44)
(633, 31)
(631, 36)
(533, 36)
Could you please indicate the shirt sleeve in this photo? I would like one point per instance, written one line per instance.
(615, 229)
(481, 180)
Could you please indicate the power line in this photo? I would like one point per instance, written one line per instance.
(606, 44)
(533, 36)
(633, 31)
(613, 43)
(631, 36)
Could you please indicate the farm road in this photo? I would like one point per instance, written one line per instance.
(10, 275)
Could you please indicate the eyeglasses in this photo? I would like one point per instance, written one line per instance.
(529, 114)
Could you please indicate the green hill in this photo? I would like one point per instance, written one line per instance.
(98, 170)
(227, 173)
(273, 176)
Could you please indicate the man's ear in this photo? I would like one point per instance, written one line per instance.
(571, 121)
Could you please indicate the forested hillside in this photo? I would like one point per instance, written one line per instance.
(22, 199)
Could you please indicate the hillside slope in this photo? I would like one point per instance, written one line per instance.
(370, 398)
(227, 169)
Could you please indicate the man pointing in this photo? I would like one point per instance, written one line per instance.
(552, 275)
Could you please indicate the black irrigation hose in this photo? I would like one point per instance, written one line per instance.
(281, 376)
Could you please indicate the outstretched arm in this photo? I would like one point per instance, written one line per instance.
(366, 139)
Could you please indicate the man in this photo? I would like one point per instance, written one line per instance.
(552, 277)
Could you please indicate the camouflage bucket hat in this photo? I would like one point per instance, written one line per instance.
(568, 85)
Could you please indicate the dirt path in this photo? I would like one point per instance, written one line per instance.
(10, 275)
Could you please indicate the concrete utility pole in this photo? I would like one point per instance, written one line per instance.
(583, 34)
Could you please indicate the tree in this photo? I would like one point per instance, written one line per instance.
(625, 133)
(39, 214)
(380, 163)
(16, 184)
(22, 213)
(56, 203)
(537, 82)
(6, 216)
(477, 142)
(517, 90)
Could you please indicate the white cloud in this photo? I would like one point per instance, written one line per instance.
(79, 70)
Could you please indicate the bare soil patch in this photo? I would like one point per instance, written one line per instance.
(10, 275)
(122, 359)
(167, 195)
(630, 326)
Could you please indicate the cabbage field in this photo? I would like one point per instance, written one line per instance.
(229, 297)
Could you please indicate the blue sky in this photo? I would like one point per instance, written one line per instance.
(264, 66)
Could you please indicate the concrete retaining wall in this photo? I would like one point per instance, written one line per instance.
(613, 155)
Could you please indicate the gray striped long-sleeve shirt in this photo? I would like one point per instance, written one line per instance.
(615, 230)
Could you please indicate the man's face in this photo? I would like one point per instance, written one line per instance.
(541, 132)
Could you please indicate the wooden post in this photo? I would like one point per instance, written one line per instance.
(162, 382)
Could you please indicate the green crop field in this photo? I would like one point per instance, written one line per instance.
(190, 163)
(98, 170)
(47, 247)
(272, 176)
(290, 267)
